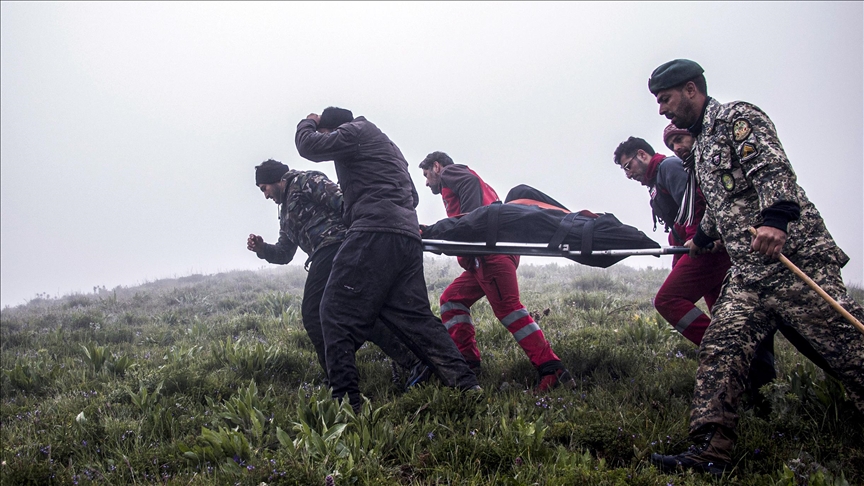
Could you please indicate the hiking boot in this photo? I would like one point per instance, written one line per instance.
(419, 374)
(711, 453)
(554, 380)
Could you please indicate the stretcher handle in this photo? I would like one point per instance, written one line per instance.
(467, 248)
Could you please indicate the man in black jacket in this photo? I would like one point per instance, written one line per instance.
(378, 271)
(310, 217)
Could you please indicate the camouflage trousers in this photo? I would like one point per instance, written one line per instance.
(745, 314)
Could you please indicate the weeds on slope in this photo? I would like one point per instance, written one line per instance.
(211, 380)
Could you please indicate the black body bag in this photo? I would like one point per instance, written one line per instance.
(516, 223)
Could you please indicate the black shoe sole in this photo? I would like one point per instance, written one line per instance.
(669, 464)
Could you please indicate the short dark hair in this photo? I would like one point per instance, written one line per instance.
(332, 117)
(629, 148)
(699, 81)
(439, 157)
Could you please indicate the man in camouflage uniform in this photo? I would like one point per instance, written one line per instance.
(310, 217)
(747, 181)
(694, 278)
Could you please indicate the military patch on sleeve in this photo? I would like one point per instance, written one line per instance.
(748, 151)
(716, 159)
(728, 181)
(741, 129)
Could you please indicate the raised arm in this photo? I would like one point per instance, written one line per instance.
(321, 147)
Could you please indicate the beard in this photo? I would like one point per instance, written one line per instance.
(687, 115)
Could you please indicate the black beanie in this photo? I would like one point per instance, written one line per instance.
(332, 117)
(270, 172)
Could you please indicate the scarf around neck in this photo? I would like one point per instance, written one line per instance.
(687, 211)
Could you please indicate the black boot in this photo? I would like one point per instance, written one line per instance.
(711, 453)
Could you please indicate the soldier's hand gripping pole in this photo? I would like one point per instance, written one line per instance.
(813, 285)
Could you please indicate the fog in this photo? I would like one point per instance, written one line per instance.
(130, 130)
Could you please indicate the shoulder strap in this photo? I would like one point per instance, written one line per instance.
(563, 230)
(588, 237)
(492, 224)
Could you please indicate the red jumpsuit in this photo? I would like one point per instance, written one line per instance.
(690, 279)
(703, 276)
(493, 276)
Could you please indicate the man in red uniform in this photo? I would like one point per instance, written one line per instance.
(690, 279)
(680, 207)
(493, 276)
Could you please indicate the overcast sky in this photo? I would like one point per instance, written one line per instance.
(130, 130)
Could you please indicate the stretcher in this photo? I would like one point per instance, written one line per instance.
(467, 248)
(533, 224)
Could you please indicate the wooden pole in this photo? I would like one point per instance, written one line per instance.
(813, 285)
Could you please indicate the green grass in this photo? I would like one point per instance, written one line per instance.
(212, 380)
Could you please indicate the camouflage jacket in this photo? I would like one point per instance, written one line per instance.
(742, 170)
(310, 216)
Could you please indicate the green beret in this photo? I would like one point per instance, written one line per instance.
(673, 73)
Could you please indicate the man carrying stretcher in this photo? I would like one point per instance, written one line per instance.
(680, 208)
(493, 276)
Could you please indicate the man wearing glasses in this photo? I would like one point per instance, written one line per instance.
(690, 279)
(701, 277)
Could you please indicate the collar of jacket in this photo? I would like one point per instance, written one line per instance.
(288, 177)
(700, 124)
(653, 166)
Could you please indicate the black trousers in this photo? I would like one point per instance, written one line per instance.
(762, 369)
(380, 276)
(319, 273)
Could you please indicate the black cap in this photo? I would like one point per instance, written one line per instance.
(673, 73)
(270, 172)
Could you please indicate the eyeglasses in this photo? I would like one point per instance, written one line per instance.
(626, 166)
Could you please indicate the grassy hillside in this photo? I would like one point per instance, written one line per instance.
(211, 380)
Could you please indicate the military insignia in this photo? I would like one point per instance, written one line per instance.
(728, 181)
(741, 129)
(748, 151)
(716, 160)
